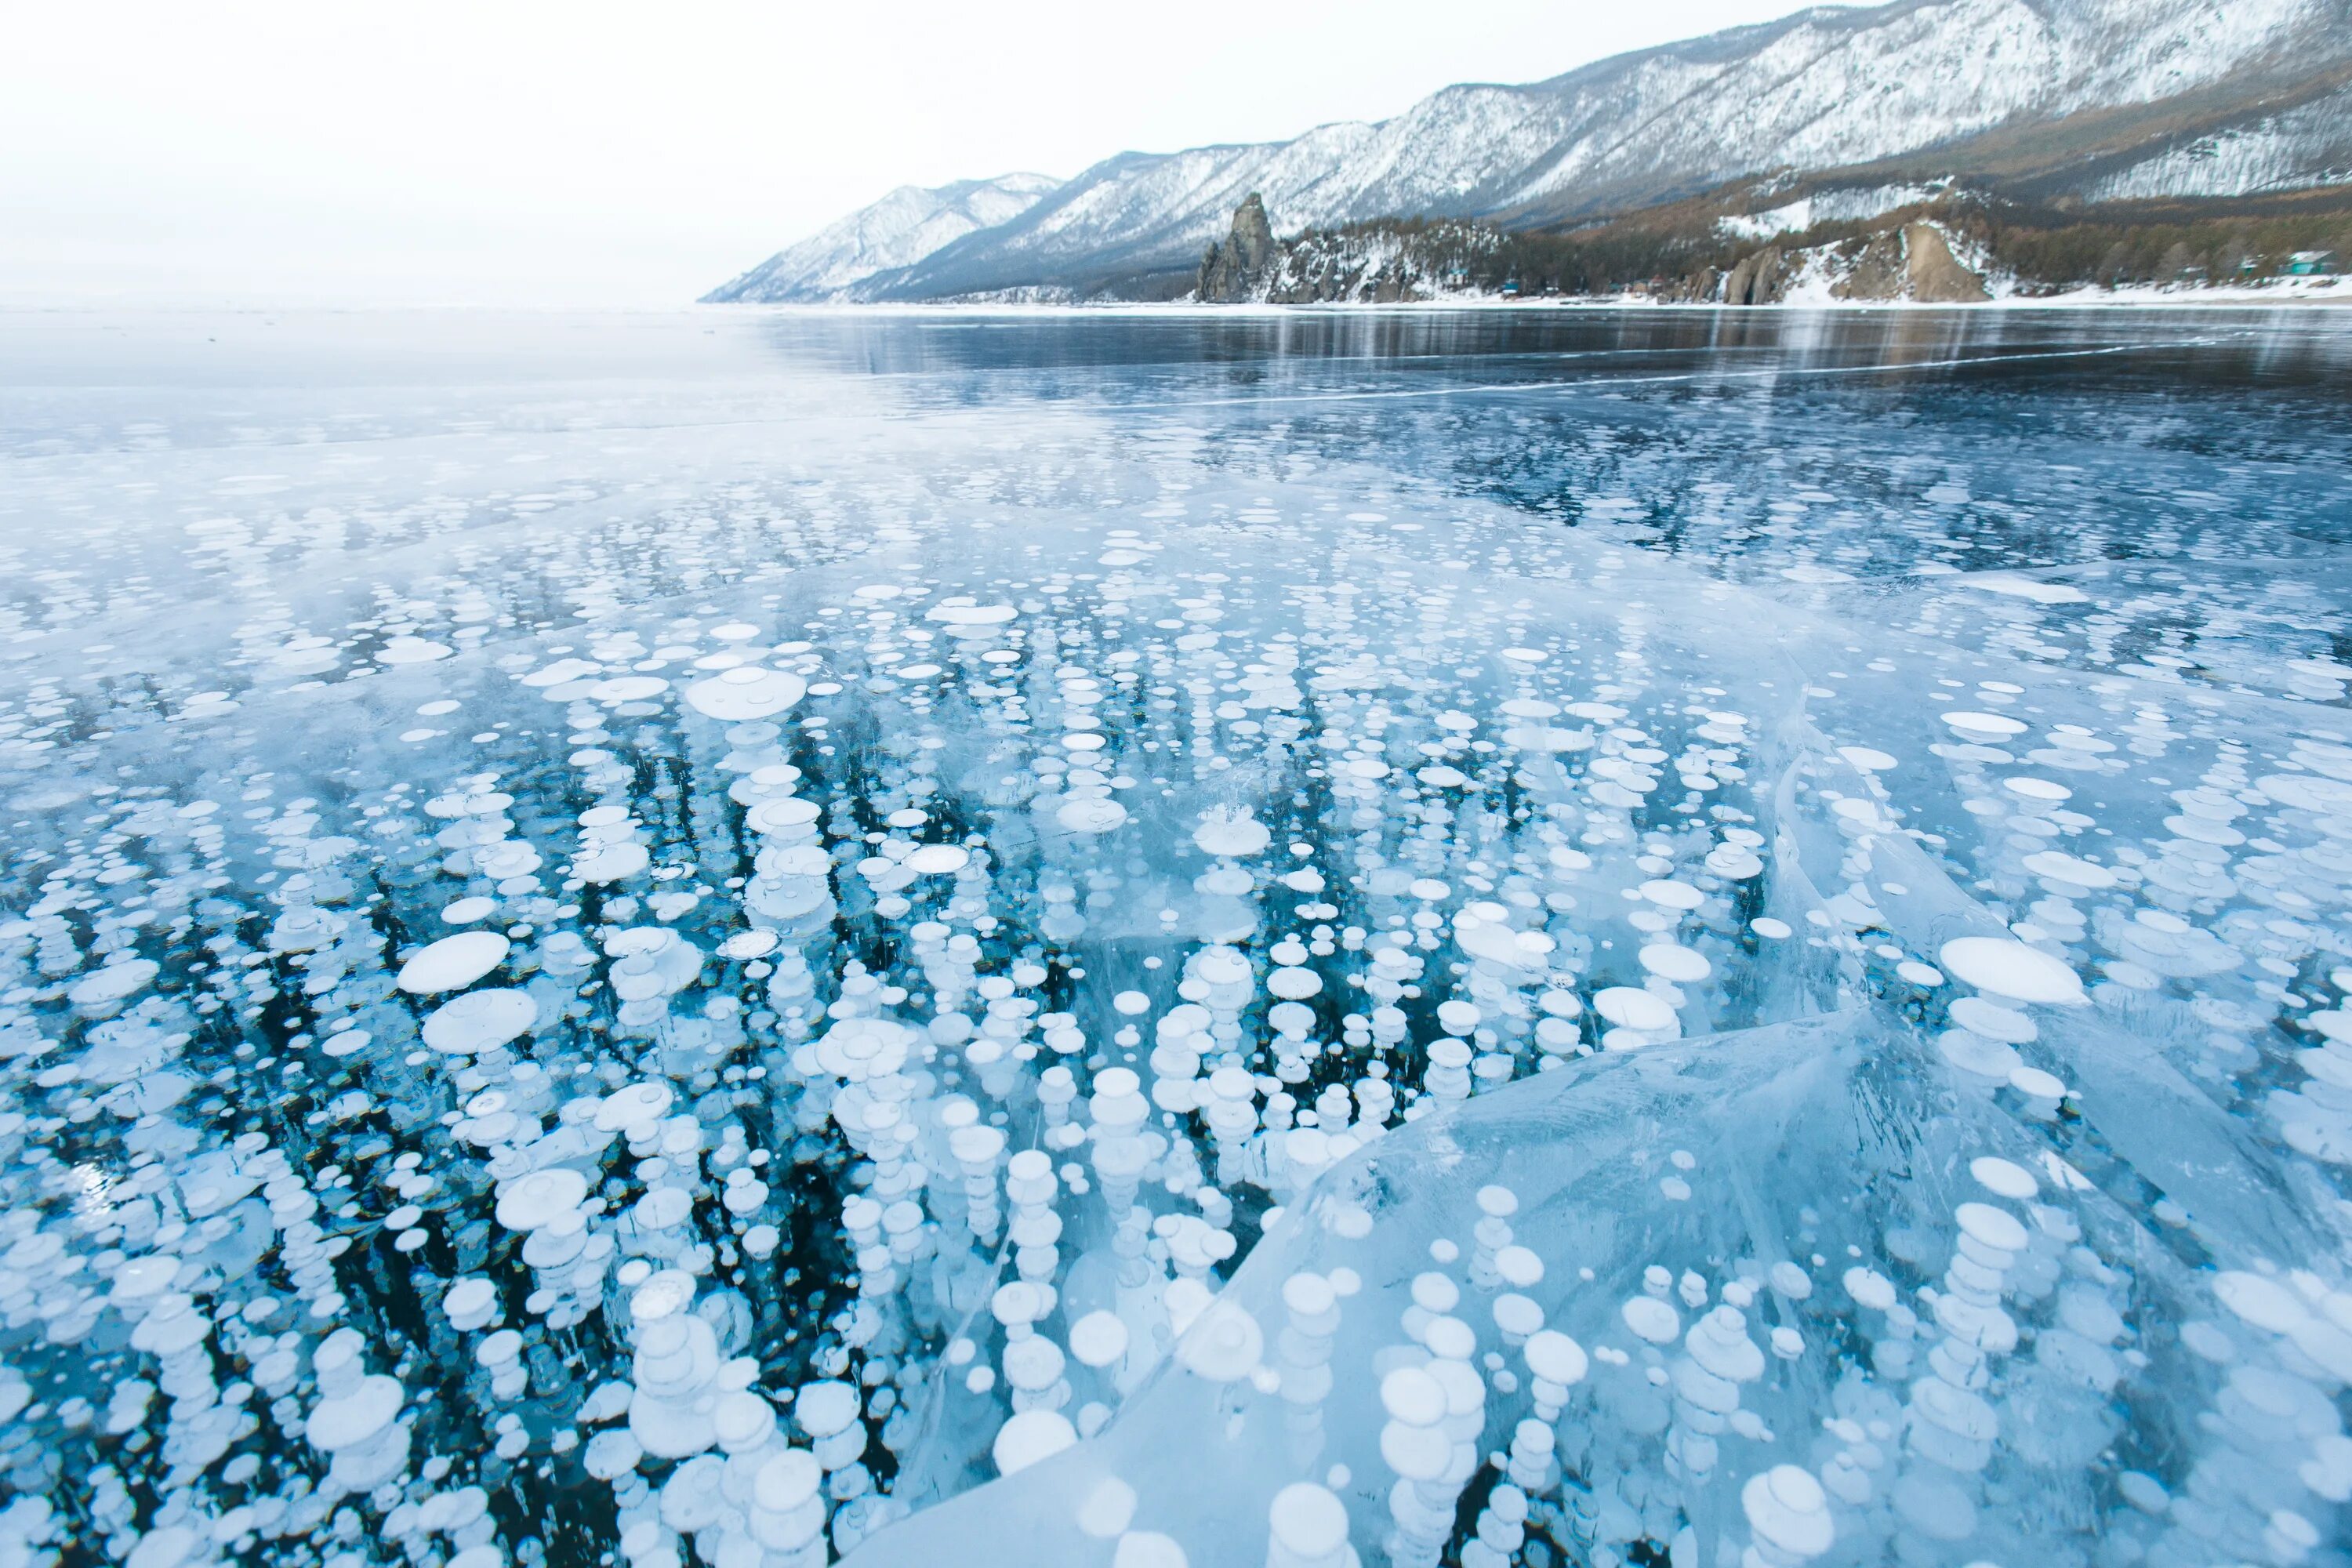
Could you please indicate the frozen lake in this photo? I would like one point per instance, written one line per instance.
(1160, 939)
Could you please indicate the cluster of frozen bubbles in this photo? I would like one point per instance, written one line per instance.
(1016, 1039)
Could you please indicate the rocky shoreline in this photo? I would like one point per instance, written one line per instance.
(1929, 254)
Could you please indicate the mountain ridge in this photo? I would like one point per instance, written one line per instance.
(911, 222)
(1936, 86)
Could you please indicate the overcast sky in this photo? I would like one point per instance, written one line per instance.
(322, 152)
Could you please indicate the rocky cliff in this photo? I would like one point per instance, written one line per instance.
(1366, 264)
(1915, 261)
(1914, 257)
(1239, 267)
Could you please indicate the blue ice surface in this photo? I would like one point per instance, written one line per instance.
(1541, 936)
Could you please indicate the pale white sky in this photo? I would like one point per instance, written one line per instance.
(324, 151)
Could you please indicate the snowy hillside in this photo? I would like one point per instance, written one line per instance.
(1830, 88)
(1826, 89)
(904, 226)
(2310, 145)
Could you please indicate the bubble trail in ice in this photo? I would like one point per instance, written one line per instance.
(884, 978)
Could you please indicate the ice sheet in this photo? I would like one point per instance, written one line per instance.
(837, 940)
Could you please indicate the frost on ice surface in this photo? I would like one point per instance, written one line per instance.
(1063, 955)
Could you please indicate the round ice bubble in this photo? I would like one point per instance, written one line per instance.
(1029, 1438)
(1294, 984)
(1098, 1339)
(1554, 1357)
(2058, 867)
(1679, 964)
(453, 962)
(964, 612)
(786, 1481)
(823, 1409)
(1224, 1345)
(2263, 1302)
(141, 1278)
(479, 1020)
(1231, 832)
(1309, 1294)
(1993, 1227)
(166, 1546)
(1108, 1508)
(1787, 1508)
(1413, 1396)
(1987, 725)
(1520, 1267)
(1089, 815)
(468, 1302)
(1670, 893)
(1310, 1521)
(1982, 1016)
(783, 814)
(745, 945)
(353, 1418)
(1651, 1319)
(663, 1294)
(745, 692)
(1517, 1315)
(113, 981)
(403, 651)
(2009, 968)
(1220, 967)
(634, 1105)
(1632, 1008)
(2031, 1080)
(2003, 1178)
(938, 859)
(1148, 1548)
(536, 1199)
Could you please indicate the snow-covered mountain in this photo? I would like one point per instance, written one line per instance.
(1826, 89)
(903, 228)
(2295, 148)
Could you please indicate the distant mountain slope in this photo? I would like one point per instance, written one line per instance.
(2307, 145)
(904, 226)
(2251, 133)
(1827, 89)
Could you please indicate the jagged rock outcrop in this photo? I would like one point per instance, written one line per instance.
(1310, 273)
(1878, 272)
(1758, 280)
(1914, 262)
(1369, 263)
(1704, 287)
(1934, 273)
(1237, 270)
